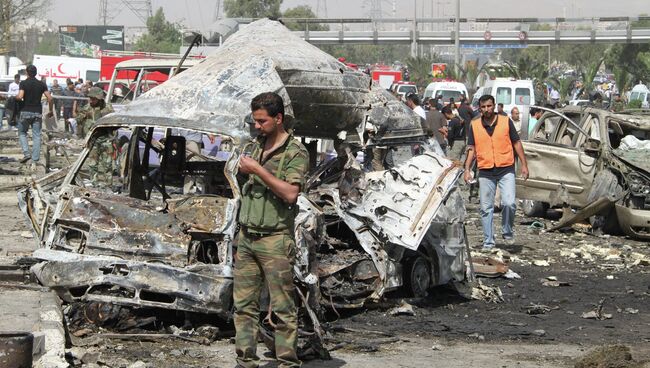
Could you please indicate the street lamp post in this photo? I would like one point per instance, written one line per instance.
(457, 38)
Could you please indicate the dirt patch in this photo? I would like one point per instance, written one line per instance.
(614, 356)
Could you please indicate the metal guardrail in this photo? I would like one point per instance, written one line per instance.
(476, 37)
(619, 29)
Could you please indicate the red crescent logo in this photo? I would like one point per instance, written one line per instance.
(59, 68)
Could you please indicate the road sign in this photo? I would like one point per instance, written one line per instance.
(487, 35)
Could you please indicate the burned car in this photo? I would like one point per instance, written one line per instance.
(159, 230)
(593, 160)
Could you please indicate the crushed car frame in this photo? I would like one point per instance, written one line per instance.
(160, 232)
(591, 159)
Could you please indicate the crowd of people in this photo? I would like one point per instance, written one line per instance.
(29, 103)
(487, 141)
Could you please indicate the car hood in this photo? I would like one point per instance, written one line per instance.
(635, 152)
(323, 98)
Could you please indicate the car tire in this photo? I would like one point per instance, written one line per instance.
(418, 276)
(605, 185)
(532, 208)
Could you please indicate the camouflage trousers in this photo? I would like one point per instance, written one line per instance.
(265, 261)
(101, 163)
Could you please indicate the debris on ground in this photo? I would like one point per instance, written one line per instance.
(597, 313)
(489, 267)
(541, 263)
(613, 356)
(490, 294)
(621, 256)
(534, 309)
(552, 281)
(403, 309)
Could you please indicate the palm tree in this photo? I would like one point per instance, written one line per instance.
(622, 78)
(562, 85)
(527, 68)
(589, 73)
(420, 69)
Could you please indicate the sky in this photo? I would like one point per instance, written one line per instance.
(199, 14)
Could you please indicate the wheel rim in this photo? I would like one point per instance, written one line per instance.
(420, 277)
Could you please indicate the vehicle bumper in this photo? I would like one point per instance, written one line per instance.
(205, 288)
(634, 222)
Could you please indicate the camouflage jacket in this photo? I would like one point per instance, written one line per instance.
(261, 210)
(89, 115)
(618, 106)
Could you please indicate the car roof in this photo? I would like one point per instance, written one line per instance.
(263, 56)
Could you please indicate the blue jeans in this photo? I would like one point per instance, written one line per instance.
(34, 120)
(2, 115)
(487, 190)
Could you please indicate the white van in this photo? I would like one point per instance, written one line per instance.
(64, 67)
(448, 90)
(510, 92)
(641, 92)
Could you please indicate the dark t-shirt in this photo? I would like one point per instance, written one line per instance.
(465, 112)
(34, 90)
(456, 129)
(69, 93)
(434, 121)
(494, 172)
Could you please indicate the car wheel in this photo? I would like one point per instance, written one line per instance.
(532, 208)
(418, 276)
(605, 185)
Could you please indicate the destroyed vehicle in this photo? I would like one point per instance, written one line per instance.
(159, 229)
(594, 160)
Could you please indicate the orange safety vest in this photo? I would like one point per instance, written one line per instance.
(496, 150)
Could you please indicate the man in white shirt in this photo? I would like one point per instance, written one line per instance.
(14, 87)
(555, 97)
(413, 101)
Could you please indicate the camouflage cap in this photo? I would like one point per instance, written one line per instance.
(96, 92)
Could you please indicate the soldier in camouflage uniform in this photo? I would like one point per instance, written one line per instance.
(619, 104)
(103, 151)
(265, 245)
(91, 112)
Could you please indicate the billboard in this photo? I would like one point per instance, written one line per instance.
(89, 41)
(438, 70)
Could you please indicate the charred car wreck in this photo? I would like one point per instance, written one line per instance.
(594, 160)
(160, 231)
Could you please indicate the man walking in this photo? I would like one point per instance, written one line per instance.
(493, 140)
(435, 127)
(455, 135)
(68, 106)
(265, 245)
(56, 90)
(413, 102)
(31, 114)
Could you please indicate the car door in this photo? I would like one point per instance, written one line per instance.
(560, 171)
(38, 200)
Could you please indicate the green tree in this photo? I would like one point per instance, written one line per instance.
(13, 11)
(48, 45)
(252, 8)
(588, 73)
(161, 36)
(368, 54)
(622, 78)
(302, 11)
(420, 70)
(563, 86)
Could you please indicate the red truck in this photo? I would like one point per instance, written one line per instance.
(385, 76)
(110, 59)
